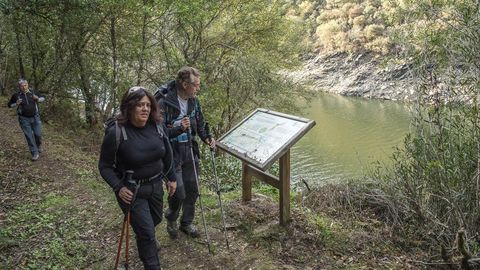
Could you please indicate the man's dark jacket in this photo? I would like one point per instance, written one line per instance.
(168, 101)
(28, 107)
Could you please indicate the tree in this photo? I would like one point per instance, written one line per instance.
(240, 46)
(93, 51)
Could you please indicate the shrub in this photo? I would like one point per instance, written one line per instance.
(435, 179)
(369, 10)
(355, 11)
(325, 32)
(356, 36)
(306, 8)
(359, 21)
(330, 36)
(327, 15)
(346, 9)
(350, 17)
(373, 30)
(379, 45)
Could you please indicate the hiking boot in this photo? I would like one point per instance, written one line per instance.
(35, 157)
(172, 229)
(190, 230)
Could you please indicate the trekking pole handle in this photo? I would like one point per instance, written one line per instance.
(189, 132)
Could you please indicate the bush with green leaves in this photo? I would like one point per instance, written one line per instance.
(435, 182)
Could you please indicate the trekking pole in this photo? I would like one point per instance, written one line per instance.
(126, 222)
(120, 243)
(189, 134)
(217, 185)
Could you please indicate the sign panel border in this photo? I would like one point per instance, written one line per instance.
(276, 155)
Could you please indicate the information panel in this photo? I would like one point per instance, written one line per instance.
(263, 136)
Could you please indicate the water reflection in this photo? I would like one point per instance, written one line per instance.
(350, 134)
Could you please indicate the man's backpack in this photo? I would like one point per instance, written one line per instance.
(161, 92)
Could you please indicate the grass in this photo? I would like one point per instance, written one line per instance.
(49, 232)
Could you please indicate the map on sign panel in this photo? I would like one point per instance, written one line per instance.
(262, 135)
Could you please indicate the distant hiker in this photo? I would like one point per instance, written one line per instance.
(183, 115)
(26, 101)
(137, 142)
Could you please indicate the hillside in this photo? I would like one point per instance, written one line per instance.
(364, 75)
(57, 213)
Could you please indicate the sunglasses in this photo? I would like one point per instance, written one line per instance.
(135, 89)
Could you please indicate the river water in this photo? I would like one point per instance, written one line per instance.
(349, 136)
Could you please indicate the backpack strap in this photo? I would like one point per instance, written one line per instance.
(124, 133)
(167, 116)
(193, 114)
(119, 131)
(163, 135)
(160, 130)
(196, 109)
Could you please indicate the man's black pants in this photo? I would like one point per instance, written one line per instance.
(186, 193)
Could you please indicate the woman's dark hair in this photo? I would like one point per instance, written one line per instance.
(130, 100)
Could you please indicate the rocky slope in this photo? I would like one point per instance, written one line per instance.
(364, 75)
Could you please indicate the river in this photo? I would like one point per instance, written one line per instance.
(349, 136)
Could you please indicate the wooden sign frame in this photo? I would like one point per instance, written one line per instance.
(284, 131)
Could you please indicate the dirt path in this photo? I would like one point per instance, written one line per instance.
(57, 213)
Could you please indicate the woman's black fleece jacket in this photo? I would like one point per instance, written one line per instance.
(145, 152)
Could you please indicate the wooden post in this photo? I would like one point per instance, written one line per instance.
(258, 154)
(246, 183)
(285, 188)
(282, 183)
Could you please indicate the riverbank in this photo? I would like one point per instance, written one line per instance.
(364, 75)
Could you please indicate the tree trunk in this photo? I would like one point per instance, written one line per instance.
(110, 110)
(90, 111)
(35, 59)
(4, 81)
(21, 69)
(144, 46)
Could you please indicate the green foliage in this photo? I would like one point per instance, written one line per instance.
(267, 190)
(229, 171)
(322, 227)
(434, 183)
(71, 110)
(55, 234)
(349, 25)
(244, 46)
(373, 30)
(94, 50)
(437, 173)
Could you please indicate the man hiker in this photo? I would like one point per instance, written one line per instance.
(26, 101)
(184, 120)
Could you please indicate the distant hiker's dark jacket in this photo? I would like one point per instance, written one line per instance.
(171, 108)
(28, 107)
